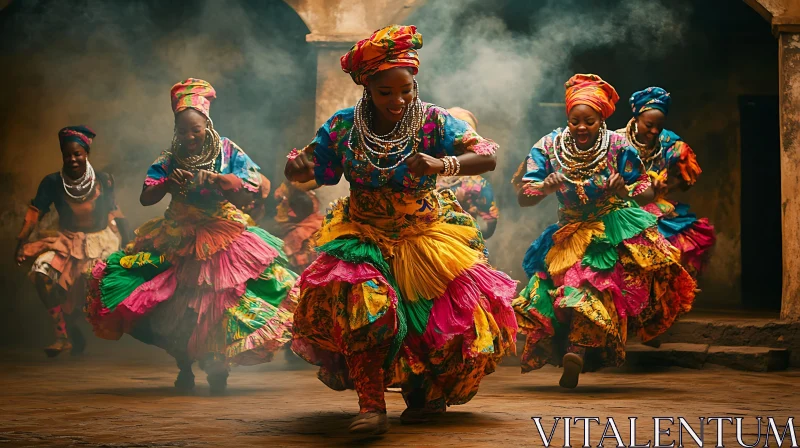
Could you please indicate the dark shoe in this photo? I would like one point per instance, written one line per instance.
(217, 383)
(78, 341)
(370, 423)
(184, 384)
(573, 366)
(414, 416)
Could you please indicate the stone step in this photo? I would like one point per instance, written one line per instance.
(737, 332)
(695, 356)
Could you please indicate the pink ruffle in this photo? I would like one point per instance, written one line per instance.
(227, 272)
(327, 269)
(630, 295)
(653, 209)
(146, 297)
(453, 313)
(694, 243)
(246, 258)
(99, 270)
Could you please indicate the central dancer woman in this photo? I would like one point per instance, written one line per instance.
(604, 261)
(401, 294)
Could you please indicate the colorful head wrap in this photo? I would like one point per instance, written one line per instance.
(465, 115)
(192, 93)
(389, 47)
(78, 134)
(650, 98)
(592, 91)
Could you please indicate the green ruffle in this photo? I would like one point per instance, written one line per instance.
(627, 223)
(539, 299)
(119, 282)
(601, 254)
(355, 251)
(269, 287)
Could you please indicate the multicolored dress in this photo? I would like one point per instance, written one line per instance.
(87, 232)
(299, 218)
(202, 281)
(475, 195)
(604, 262)
(693, 236)
(401, 272)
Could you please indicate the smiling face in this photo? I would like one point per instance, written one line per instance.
(392, 91)
(649, 124)
(584, 125)
(74, 157)
(190, 129)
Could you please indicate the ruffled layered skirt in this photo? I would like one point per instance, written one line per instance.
(402, 278)
(595, 280)
(692, 236)
(63, 256)
(198, 283)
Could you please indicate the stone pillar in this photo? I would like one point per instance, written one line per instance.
(789, 72)
(335, 91)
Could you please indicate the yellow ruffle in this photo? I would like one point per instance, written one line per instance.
(425, 255)
(570, 243)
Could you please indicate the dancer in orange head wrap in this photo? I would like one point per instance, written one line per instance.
(401, 294)
(604, 262)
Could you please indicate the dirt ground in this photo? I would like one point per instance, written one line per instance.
(121, 395)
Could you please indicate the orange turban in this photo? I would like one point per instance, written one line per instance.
(192, 93)
(592, 91)
(389, 47)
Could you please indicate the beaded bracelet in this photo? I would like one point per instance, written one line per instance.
(457, 165)
(452, 166)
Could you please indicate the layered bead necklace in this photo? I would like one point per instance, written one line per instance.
(648, 156)
(204, 160)
(79, 189)
(579, 166)
(377, 149)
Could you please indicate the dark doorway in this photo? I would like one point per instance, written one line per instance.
(762, 272)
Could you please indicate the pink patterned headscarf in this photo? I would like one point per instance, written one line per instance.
(192, 93)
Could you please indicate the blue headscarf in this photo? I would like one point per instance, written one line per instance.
(78, 134)
(650, 98)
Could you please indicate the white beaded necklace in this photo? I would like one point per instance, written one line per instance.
(79, 189)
